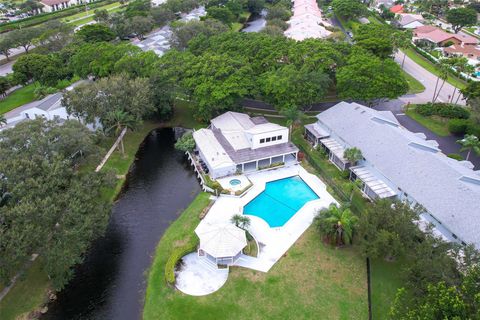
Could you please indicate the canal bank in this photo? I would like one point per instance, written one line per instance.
(110, 284)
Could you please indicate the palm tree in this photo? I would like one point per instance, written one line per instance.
(240, 221)
(293, 116)
(3, 120)
(336, 223)
(120, 120)
(443, 71)
(353, 155)
(470, 142)
(461, 65)
(402, 40)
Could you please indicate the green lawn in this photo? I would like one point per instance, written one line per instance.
(435, 124)
(17, 98)
(429, 66)
(27, 294)
(91, 11)
(313, 280)
(414, 86)
(385, 280)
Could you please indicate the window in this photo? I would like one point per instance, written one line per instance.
(279, 137)
(268, 140)
(274, 138)
(262, 140)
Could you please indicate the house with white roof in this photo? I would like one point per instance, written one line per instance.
(307, 21)
(401, 164)
(235, 142)
(50, 108)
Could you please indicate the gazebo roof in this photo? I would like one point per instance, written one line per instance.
(221, 240)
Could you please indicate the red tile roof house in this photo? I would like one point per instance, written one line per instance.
(436, 37)
(470, 52)
(397, 8)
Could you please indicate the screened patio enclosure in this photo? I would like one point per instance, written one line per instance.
(373, 187)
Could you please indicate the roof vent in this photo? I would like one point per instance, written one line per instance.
(384, 121)
(472, 180)
(423, 147)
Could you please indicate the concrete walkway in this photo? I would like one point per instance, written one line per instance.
(197, 278)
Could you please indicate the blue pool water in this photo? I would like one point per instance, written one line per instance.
(280, 200)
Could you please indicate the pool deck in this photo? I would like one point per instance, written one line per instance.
(273, 242)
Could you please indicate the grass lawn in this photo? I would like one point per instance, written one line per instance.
(437, 125)
(429, 66)
(414, 86)
(385, 280)
(91, 11)
(311, 280)
(27, 294)
(17, 98)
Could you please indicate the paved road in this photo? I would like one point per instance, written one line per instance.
(428, 80)
(6, 68)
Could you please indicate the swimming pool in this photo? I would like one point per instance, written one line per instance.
(280, 200)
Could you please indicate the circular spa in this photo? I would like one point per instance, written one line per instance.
(235, 182)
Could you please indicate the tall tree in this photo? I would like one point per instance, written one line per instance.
(6, 44)
(25, 37)
(368, 78)
(349, 8)
(353, 155)
(291, 86)
(387, 230)
(95, 33)
(293, 115)
(141, 26)
(461, 17)
(60, 224)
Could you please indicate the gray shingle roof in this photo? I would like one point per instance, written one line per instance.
(414, 165)
(247, 154)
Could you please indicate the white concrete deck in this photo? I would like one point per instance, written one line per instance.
(225, 182)
(198, 278)
(273, 242)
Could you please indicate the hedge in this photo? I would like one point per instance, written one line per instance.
(458, 126)
(177, 254)
(44, 17)
(446, 110)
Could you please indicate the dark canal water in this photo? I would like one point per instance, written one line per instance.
(111, 282)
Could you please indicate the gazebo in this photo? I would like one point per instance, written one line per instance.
(221, 244)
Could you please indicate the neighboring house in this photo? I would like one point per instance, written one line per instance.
(401, 164)
(409, 21)
(386, 3)
(235, 142)
(471, 52)
(397, 8)
(436, 37)
(55, 5)
(307, 21)
(49, 108)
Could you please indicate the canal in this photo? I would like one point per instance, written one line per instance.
(111, 282)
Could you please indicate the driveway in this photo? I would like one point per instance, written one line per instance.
(428, 80)
(446, 144)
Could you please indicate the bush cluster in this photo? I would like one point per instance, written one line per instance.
(177, 254)
(446, 110)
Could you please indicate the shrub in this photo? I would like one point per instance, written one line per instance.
(445, 110)
(473, 129)
(175, 256)
(458, 126)
(455, 156)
